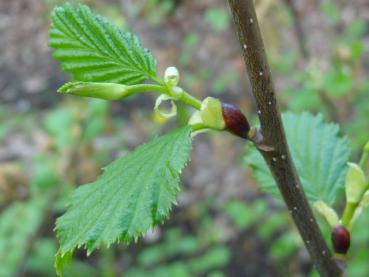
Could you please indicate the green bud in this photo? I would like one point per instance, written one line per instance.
(327, 212)
(107, 91)
(219, 116)
(355, 183)
(211, 113)
(171, 76)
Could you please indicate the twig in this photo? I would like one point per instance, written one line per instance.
(279, 159)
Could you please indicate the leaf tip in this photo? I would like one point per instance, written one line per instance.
(61, 260)
(67, 87)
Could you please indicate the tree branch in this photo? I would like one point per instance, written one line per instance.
(278, 156)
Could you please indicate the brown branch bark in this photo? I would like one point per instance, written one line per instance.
(278, 159)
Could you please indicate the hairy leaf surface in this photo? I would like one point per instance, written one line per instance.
(320, 156)
(95, 50)
(134, 193)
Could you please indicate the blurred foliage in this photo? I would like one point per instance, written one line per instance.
(337, 88)
(320, 157)
(210, 237)
(218, 18)
(19, 224)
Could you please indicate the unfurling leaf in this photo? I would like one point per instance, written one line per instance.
(106, 91)
(95, 50)
(355, 183)
(327, 212)
(133, 194)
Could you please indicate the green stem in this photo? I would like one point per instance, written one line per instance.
(364, 159)
(348, 213)
(146, 88)
(186, 97)
(198, 127)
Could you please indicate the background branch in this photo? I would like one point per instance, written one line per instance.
(298, 29)
(279, 159)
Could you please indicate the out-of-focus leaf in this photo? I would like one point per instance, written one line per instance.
(244, 215)
(216, 257)
(356, 183)
(18, 226)
(337, 83)
(59, 124)
(329, 9)
(218, 18)
(320, 156)
(284, 246)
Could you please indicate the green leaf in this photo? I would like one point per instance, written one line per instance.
(95, 50)
(320, 156)
(133, 194)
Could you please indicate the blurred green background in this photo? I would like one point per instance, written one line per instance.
(223, 224)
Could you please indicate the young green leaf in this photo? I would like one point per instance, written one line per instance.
(327, 212)
(319, 154)
(356, 183)
(95, 50)
(133, 194)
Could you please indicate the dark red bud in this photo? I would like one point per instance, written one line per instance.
(235, 121)
(340, 239)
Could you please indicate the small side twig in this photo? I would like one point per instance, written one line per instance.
(279, 159)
